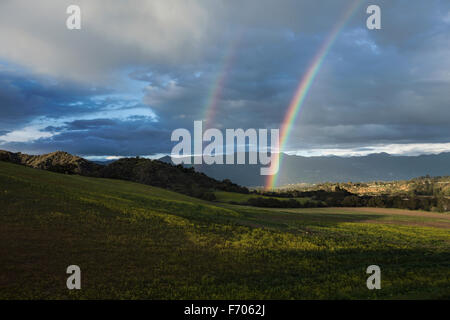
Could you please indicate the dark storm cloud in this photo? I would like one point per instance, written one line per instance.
(383, 86)
(365, 93)
(254, 87)
(24, 97)
(407, 24)
(100, 137)
(81, 125)
(90, 124)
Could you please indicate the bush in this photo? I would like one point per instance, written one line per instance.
(351, 201)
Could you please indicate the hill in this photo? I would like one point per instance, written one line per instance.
(58, 161)
(146, 171)
(165, 175)
(134, 241)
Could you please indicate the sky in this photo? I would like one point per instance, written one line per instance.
(134, 73)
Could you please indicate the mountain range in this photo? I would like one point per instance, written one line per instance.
(191, 178)
(297, 169)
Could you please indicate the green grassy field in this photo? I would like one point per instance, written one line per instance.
(134, 241)
(230, 197)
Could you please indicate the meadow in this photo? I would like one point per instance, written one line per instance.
(134, 241)
(241, 198)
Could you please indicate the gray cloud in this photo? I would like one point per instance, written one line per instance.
(384, 86)
(100, 137)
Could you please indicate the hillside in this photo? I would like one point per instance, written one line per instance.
(161, 174)
(146, 171)
(422, 186)
(58, 161)
(134, 241)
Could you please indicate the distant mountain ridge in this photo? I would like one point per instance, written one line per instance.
(294, 169)
(298, 169)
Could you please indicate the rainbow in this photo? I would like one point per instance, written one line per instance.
(218, 85)
(304, 86)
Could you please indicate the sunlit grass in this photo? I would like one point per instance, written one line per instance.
(134, 241)
(233, 197)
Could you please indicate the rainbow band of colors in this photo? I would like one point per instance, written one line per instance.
(215, 93)
(304, 86)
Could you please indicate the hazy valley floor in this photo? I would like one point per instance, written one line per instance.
(134, 241)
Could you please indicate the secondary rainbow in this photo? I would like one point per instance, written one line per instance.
(304, 86)
(216, 91)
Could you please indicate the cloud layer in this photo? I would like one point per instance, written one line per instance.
(133, 73)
